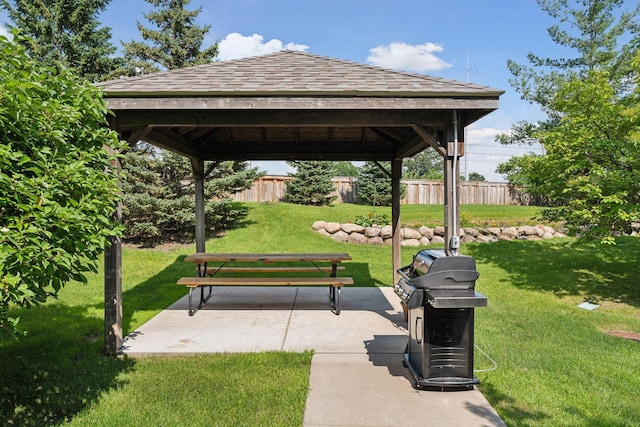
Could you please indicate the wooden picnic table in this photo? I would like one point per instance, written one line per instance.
(209, 275)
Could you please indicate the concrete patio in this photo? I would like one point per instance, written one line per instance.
(357, 376)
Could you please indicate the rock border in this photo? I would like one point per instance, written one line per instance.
(425, 236)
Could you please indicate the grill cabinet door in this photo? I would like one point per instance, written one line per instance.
(448, 343)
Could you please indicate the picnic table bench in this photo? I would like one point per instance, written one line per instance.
(209, 276)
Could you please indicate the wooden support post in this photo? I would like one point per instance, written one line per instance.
(113, 296)
(454, 133)
(113, 287)
(396, 174)
(198, 175)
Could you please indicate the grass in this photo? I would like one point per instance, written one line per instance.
(556, 365)
(204, 390)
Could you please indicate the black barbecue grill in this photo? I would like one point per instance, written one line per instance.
(439, 292)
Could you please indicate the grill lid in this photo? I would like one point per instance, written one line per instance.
(433, 269)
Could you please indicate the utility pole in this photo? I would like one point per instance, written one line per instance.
(466, 174)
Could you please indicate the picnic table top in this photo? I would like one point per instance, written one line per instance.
(202, 257)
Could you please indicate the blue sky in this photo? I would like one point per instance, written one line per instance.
(454, 39)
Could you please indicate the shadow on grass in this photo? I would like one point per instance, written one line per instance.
(58, 370)
(157, 292)
(593, 271)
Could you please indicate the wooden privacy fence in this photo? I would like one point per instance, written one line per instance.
(272, 188)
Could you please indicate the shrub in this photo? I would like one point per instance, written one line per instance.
(57, 186)
(371, 219)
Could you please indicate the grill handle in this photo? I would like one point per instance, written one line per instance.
(407, 272)
(419, 330)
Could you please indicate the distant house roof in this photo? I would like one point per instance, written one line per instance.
(293, 105)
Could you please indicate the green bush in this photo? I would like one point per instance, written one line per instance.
(57, 186)
(371, 219)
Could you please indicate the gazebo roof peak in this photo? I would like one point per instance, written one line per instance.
(291, 73)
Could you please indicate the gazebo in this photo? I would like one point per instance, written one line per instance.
(293, 105)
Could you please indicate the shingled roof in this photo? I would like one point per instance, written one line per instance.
(290, 73)
(294, 105)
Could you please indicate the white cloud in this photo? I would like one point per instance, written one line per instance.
(236, 46)
(482, 134)
(4, 32)
(403, 56)
(483, 154)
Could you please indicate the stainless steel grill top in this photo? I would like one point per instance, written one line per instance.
(432, 269)
(439, 280)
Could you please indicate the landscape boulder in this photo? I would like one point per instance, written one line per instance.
(352, 228)
(425, 236)
(333, 227)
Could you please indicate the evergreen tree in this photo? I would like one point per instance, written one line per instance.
(311, 184)
(374, 184)
(175, 43)
(65, 32)
(159, 191)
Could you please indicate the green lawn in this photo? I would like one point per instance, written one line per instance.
(556, 365)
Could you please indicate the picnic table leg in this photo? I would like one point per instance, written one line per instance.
(191, 310)
(334, 296)
(202, 272)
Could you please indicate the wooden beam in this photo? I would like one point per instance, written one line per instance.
(165, 138)
(387, 135)
(307, 151)
(277, 118)
(211, 168)
(383, 169)
(453, 132)
(441, 103)
(138, 135)
(429, 139)
(411, 146)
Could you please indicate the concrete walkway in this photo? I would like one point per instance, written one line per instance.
(357, 376)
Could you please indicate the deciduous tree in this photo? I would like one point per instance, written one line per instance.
(57, 185)
(585, 96)
(592, 166)
(603, 37)
(425, 165)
